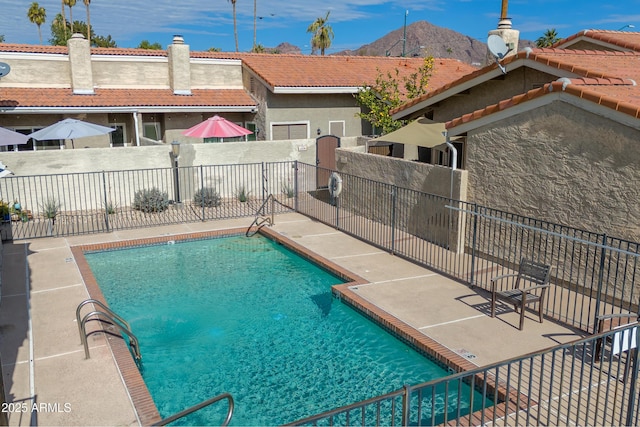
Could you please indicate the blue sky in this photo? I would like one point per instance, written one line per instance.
(209, 23)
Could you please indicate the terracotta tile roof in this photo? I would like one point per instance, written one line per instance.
(622, 39)
(618, 94)
(608, 68)
(586, 63)
(63, 50)
(28, 97)
(343, 71)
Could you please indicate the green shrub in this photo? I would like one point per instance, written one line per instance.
(288, 190)
(242, 194)
(112, 208)
(151, 200)
(51, 208)
(207, 197)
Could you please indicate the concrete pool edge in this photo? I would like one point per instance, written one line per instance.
(140, 397)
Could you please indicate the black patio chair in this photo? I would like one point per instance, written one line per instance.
(520, 296)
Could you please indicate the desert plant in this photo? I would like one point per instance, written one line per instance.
(112, 208)
(207, 197)
(151, 200)
(242, 194)
(51, 208)
(288, 190)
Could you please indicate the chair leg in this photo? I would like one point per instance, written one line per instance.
(521, 317)
(540, 316)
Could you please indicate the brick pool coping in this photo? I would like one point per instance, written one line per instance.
(144, 406)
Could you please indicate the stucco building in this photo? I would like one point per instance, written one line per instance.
(151, 96)
(553, 137)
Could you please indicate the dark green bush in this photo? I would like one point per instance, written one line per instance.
(207, 197)
(151, 200)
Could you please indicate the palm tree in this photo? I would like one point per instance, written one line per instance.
(64, 20)
(548, 39)
(321, 34)
(87, 3)
(37, 15)
(70, 3)
(235, 27)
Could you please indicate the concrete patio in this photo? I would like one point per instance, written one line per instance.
(43, 360)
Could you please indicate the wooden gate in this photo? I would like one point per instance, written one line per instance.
(325, 158)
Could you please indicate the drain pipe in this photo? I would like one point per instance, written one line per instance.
(454, 159)
(135, 125)
(454, 162)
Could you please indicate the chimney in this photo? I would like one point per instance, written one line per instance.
(510, 36)
(80, 65)
(179, 66)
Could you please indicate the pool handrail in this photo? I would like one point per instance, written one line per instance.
(104, 307)
(132, 338)
(199, 406)
(261, 219)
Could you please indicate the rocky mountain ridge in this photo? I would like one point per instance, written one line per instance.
(423, 39)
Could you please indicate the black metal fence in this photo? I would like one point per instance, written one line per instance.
(593, 274)
(81, 203)
(588, 382)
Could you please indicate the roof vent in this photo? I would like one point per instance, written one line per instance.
(178, 39)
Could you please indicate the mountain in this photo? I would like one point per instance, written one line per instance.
(425, 39)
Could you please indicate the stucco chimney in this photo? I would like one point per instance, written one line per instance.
(80, 64)
(179, 66)
(510, 36)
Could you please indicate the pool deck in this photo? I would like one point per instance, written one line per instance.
(43, 360)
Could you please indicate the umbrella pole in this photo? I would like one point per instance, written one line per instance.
(72, 144)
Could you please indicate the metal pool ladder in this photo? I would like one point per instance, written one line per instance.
(113, 319)
(262, 218)
(199, 406)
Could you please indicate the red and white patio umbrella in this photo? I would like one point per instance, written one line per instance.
(216, 127)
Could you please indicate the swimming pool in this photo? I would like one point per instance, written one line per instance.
(249, 317)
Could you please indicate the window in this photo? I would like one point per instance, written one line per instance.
(293, 131)
(33, 145)
(118, 137)
(252, 127)
(336, 128)
(152, 130)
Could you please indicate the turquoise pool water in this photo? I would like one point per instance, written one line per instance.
(249, 317)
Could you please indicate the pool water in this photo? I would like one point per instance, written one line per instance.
(249, 317)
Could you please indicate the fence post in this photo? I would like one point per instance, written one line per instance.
(106, 201)
(634, 378)
(295, 185)
(202, 191)
(473, 245)
(394, 200)
(406, 404)
(603, 252)
(265, 182)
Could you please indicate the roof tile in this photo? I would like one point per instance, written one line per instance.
(49, 97)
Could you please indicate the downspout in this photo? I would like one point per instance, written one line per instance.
(454, 159)
(135, 125)
(454, 162)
